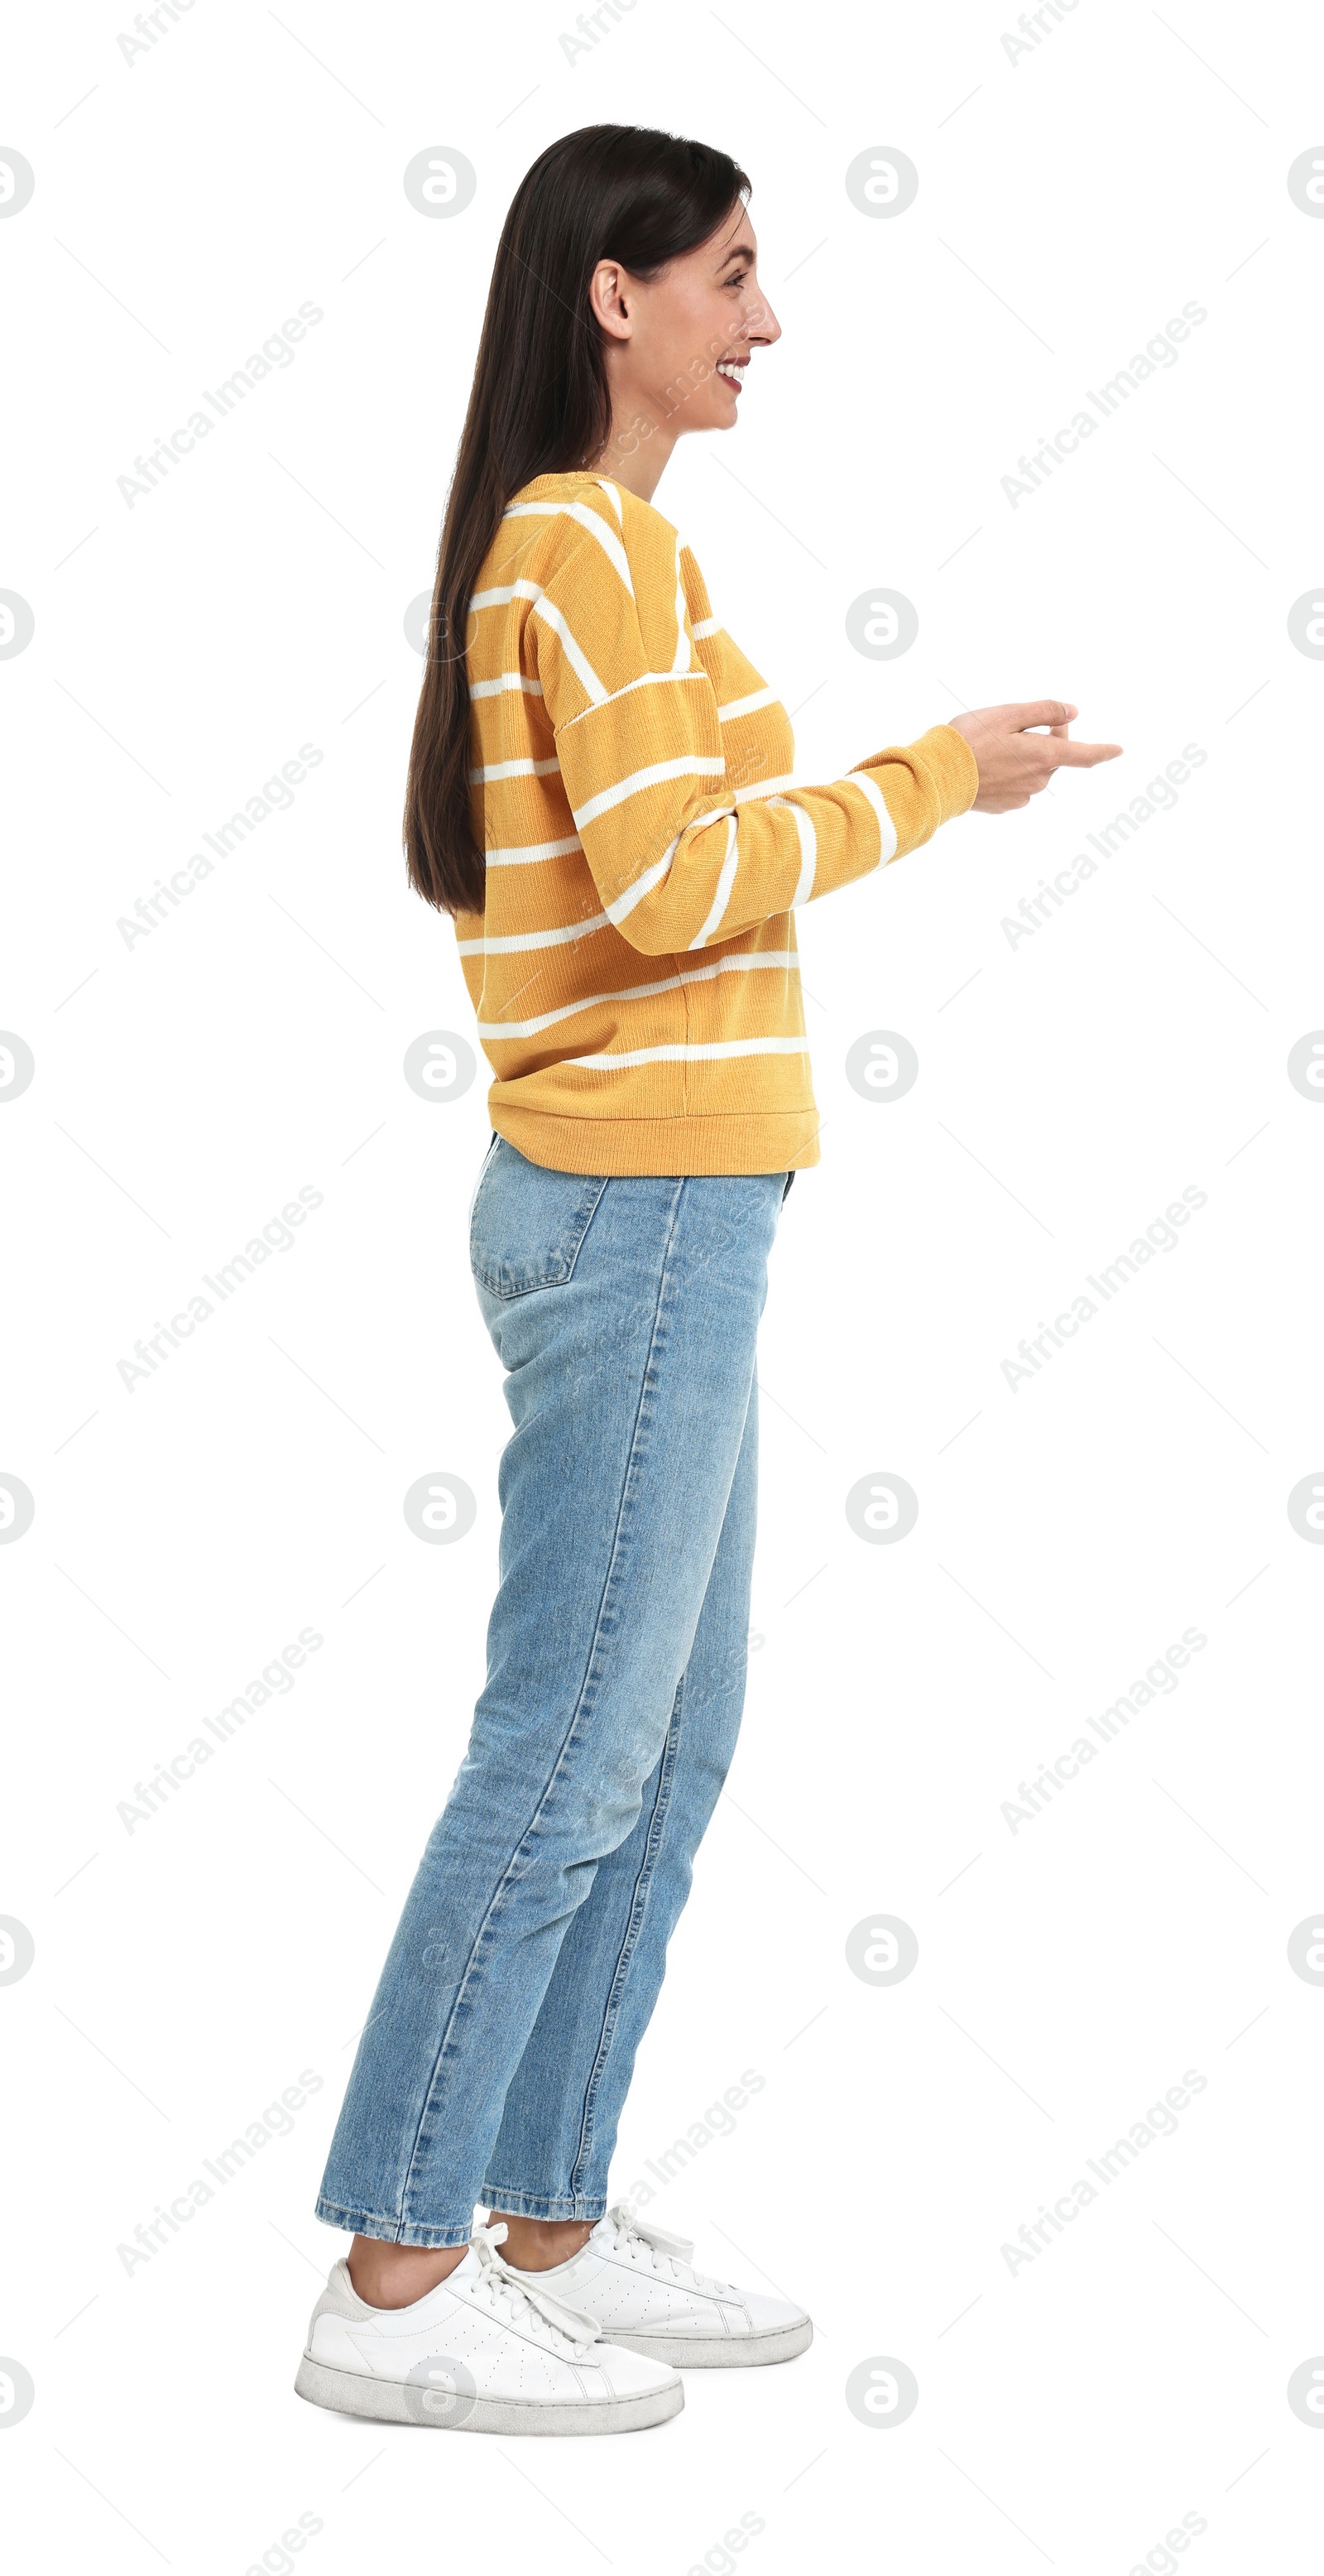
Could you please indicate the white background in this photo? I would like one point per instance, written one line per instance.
(1070, 201)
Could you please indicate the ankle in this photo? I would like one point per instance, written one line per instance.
(385, 2275)
(538, 2244)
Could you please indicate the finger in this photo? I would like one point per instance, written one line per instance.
(1041, 711)
(1083, 755)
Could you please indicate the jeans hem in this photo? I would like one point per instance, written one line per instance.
(531, 2204)
(393, 2231)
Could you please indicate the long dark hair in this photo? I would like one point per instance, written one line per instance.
(540, 405)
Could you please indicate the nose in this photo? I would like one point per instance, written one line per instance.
(762, 328)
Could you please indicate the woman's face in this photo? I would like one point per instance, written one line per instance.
(678, 345)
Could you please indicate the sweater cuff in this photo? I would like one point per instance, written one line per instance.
(953, 766)
(944, 769)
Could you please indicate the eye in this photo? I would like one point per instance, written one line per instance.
(739, 278)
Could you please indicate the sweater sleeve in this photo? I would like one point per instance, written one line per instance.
(682, 854)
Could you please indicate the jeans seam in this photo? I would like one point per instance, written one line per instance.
(630, 1943)
(384, 2230)
(588, 1677)
(548, 2205)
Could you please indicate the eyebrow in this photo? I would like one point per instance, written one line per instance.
(739, 250)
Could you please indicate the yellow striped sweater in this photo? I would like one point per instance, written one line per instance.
(634, 971)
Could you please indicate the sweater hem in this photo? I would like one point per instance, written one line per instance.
(740, 1142)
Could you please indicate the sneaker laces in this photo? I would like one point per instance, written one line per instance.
(666, 2253)
(516, 2298)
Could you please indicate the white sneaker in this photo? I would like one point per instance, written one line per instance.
(487, 2351)
(639, 2284)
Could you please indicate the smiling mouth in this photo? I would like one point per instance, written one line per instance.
(733, 370)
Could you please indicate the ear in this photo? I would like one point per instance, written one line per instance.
(609, 293)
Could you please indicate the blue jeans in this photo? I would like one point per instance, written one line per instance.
(528, 1959)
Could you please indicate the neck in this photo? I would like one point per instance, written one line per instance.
(635, 454)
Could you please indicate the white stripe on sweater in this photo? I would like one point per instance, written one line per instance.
(559, 938)
(547, 609)
(873, 794)
(512, 769)
(520, 858)
(689, 764)
(768, 787)
(746, 706)
(584, 518)
(804, 824)
(646, 680)
(625, 903)
(502, 596)
(746, 964)
(578, 660)
(508, 680)
(704, 626)
(721, 1047)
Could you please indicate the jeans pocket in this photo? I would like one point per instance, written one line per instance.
(527, 1224)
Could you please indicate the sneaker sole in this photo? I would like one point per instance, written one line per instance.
(720, 2352)
(349, 2392)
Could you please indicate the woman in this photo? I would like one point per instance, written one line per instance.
(600, 793)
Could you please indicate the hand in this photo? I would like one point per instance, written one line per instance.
(1014, 762)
